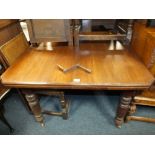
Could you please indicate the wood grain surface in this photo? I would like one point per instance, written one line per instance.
(113, 70)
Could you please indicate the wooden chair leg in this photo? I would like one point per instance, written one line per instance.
(34, 44)
(138, 118)
(63, 103)
(24, 101)
(130, 116)
(132, 110)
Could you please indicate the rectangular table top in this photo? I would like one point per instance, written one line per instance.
(110, 69)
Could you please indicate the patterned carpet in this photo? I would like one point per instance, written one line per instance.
(91, 113)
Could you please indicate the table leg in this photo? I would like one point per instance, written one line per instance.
(123, 107)
(64, 106)
(33, 102)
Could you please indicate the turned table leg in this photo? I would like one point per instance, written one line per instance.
(64, 106)
(35, 107)
(123, 108)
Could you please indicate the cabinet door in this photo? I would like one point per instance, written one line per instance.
(138, 39)
(149, 50)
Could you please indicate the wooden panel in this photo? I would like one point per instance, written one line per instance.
(152, 48)
(9, 29)
(55, 30)
(152, 70)
(138, 38)
(110, 69)
(138, 43)
(14, 48)
(6, 22)
(100, 36)
(147, 97)
(149, 50)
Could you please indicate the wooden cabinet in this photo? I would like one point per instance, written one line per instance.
(149, 50)
(143, 42)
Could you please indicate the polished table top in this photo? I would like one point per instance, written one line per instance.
(110, 69)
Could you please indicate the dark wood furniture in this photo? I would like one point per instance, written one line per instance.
(141, 41)
(9, 28)
(13, 49)
(110, 70)
(147, 97)
(50, 30)
(101, 30)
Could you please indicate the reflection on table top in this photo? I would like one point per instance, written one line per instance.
(110, 69)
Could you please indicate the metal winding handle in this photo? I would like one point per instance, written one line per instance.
(85, 69)
(74, 67)
(61, 68)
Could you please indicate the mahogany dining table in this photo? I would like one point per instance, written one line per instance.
(110, 69)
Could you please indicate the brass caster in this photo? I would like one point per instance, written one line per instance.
(42, 124)
(119, 127)
(118, 123)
